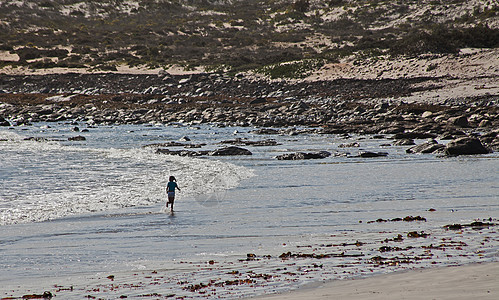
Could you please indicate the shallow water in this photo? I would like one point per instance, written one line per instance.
(71, 213)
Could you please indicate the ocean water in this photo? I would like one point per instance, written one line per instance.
(74, 212)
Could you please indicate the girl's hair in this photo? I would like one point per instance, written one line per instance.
(172, 178)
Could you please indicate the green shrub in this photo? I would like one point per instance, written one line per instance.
(445, 39)
(296, 69)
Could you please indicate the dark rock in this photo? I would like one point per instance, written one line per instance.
(302, 155)
(265, 131)
(36, 139)
(404, 142)
(428, 147)
(490, 139)
(414, 135)
(167, 144)
(368, 154)
(349, 145)
(392, 130)
(77, 138)
(230, 151)
(460, 121)
(240, 141)
(465, 146)
(181, 152)
(451, 134)
(4, 122)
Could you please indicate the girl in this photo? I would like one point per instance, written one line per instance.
(170, 191)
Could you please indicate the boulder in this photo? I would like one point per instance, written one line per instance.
(490, 138)
(427, 114)
(303, 155)
(427, 147)
(4, 122)
(460, 121)
(265, 131)
(368, 154)
(451, 134)
(349, 145)
(465, 146)
(180, 152)
(245, 142)
(230, 151)
(404, 142)
(77, 138)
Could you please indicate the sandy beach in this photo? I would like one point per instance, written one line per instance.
(474, 281)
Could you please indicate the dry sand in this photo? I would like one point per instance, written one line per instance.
(475, 281)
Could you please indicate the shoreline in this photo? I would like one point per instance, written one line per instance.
(470, 281)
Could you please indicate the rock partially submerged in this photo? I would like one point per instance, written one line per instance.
(304, 155)
(4, 122)
(430, 146)
(228, 151)
(181, 152)
(77, 138)
(240, 141)
(368, 154)
(465, 146)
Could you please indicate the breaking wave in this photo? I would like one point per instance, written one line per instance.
(44, 180)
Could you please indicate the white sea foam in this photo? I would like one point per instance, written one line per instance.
(43, 180)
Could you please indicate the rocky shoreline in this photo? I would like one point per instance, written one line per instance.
(344, 106)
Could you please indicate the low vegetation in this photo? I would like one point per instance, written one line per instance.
(280, 38)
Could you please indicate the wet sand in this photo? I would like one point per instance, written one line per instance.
(474, 281)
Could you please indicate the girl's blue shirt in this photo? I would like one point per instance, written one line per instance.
(171, 186)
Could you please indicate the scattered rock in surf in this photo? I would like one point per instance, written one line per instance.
(265, 131)
(174, 144)
(349, 145)
(303, 155)
(404, 142)
(451, 134)
(430, 146)
(181, 152)
(228, 151)
(36, 139)
(245, 142)
(4, 122)
(78, 138)
(465, 146)
(368, 154)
